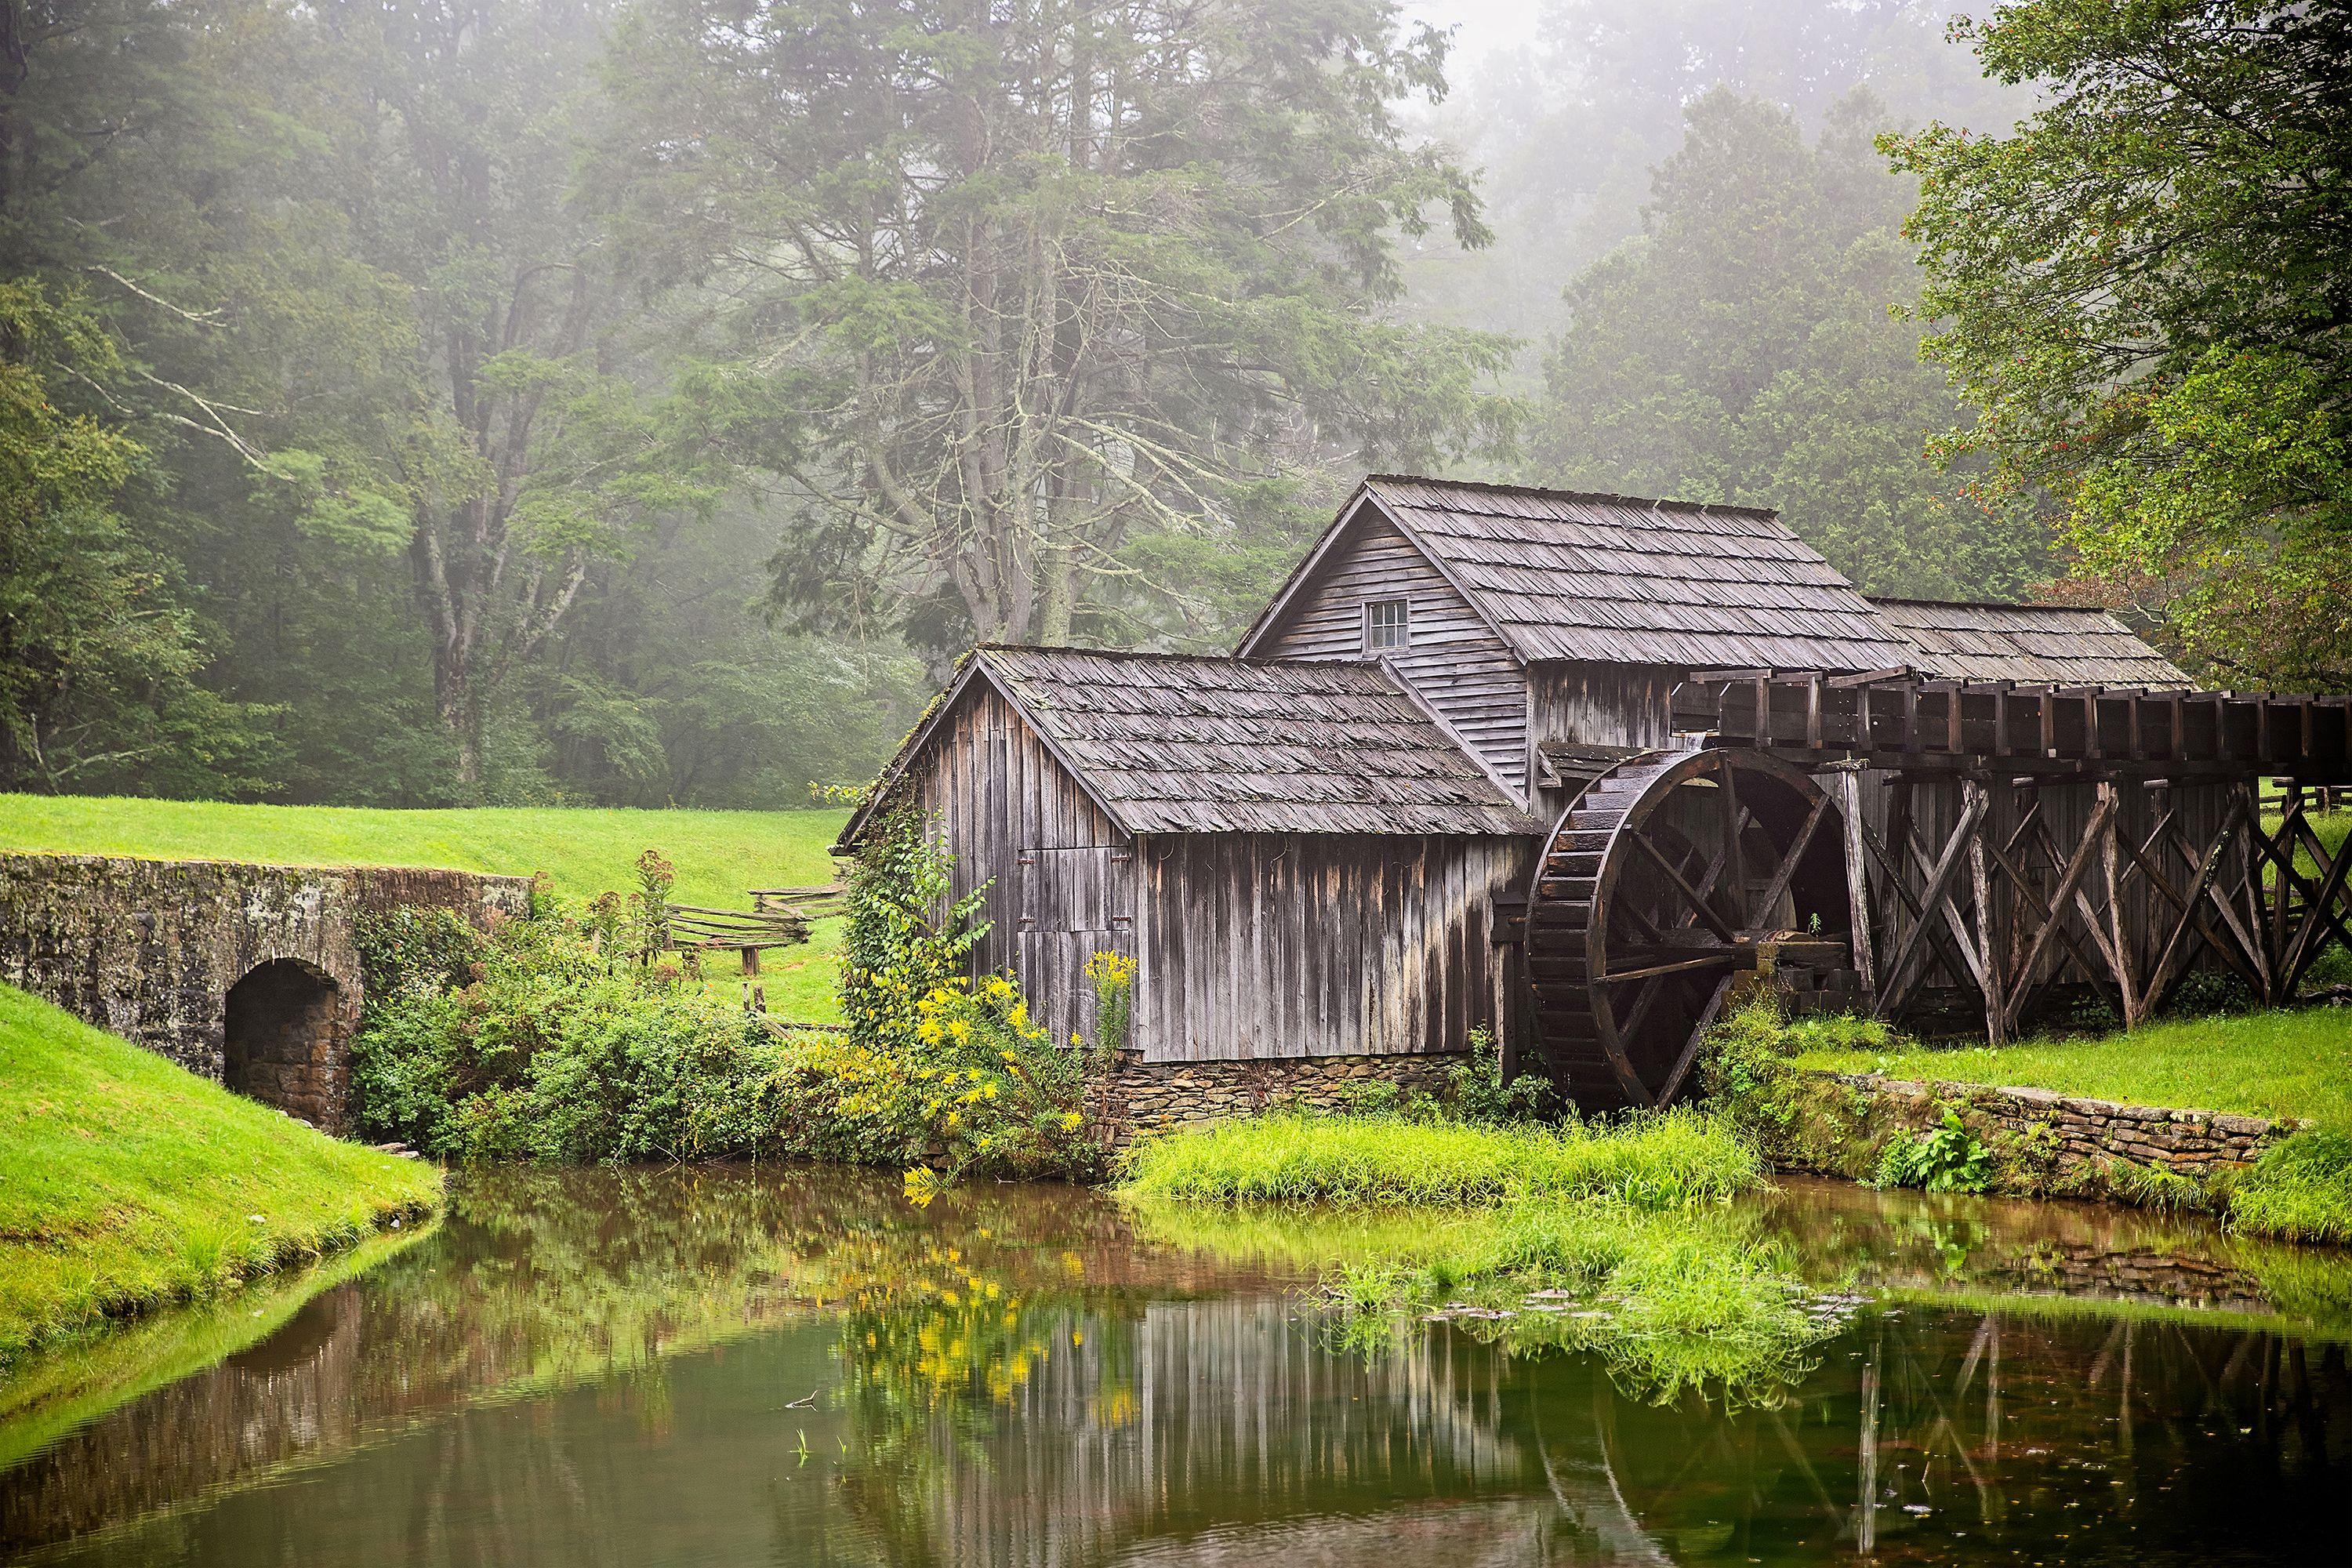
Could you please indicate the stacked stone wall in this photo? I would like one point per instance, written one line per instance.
(150, 948)
(1136, 1096)
(2077, 1139)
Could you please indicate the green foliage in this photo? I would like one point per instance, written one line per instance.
(99, 657)
(553, 1047)
(907, 936)
(1945, 1158)
(127, 1181)
(1475, 1090)
(1615, 1240)
(1741, 351)
(2153, 1186)
(2137, 288)
(1665, 1161)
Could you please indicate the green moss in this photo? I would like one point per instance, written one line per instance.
(126, 1182)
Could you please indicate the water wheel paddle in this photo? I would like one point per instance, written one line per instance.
(1668, 875)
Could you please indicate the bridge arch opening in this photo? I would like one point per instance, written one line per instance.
(283, 1042)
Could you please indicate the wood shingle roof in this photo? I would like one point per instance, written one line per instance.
(1615, 579)
(1170, 743)
(2061, 643)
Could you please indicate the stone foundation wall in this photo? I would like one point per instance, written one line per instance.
(2070, 1142)
(149, 950)
(1147, 1097)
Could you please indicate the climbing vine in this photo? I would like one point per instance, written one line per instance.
(908, 935)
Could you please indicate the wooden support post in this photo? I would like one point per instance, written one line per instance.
(2119, 949)
(1977, 800)
(755, 994)
(1857, 880)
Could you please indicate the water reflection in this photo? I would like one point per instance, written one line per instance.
(726, 1366)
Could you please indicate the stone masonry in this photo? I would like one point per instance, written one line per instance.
(246, 974)
(1138, 1096)
(2089, 1132)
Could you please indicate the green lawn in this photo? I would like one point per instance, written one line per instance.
(720, 855)
(126, 1182)
(2295, 1063)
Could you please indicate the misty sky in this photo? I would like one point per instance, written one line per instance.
(1483, 27)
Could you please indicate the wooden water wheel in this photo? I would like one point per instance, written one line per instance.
(1664, 879)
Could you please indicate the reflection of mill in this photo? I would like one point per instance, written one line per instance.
(1220, 1431)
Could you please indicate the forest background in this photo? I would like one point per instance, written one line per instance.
(642, 402)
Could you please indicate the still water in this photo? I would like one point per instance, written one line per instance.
(798, 1367)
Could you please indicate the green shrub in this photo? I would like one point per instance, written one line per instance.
(552, 1045)
(1945, 1158)
(1475, 1091)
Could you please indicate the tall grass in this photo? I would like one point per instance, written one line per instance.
(2300, 1191)
(1619, 1240)
(1658, 1162)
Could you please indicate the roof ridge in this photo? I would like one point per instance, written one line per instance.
(1165, 654)
(1596, 498)
(1982, 603)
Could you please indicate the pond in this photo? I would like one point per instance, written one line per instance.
(801, 1367)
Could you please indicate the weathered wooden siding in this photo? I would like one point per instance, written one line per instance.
(1456, 662)
(1254, 945)
(1061, 874)
(1596, 705)
(1603, 704)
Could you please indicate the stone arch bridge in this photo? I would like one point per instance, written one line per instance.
(245, 974)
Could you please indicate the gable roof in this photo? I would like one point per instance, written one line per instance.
(1174, 743)
(2069, 645)
(1617, 580)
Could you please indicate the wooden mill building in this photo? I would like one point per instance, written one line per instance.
(1321, 844)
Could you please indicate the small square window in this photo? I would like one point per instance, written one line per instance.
(1387, 624)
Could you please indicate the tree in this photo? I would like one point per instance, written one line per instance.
(2147, 291)
(97, 657)
(1001, 292)
(1743, 351)
(1569, 127)
(528, 451)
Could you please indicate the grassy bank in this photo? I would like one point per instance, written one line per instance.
(2294, 1063)
(1620, 1241)
(1766, 1072)
(127, 1183)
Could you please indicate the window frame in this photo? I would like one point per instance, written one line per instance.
(1403, 626)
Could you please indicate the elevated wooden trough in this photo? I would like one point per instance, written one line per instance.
(1905, 838)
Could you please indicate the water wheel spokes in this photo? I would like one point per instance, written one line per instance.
(1662, 883)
